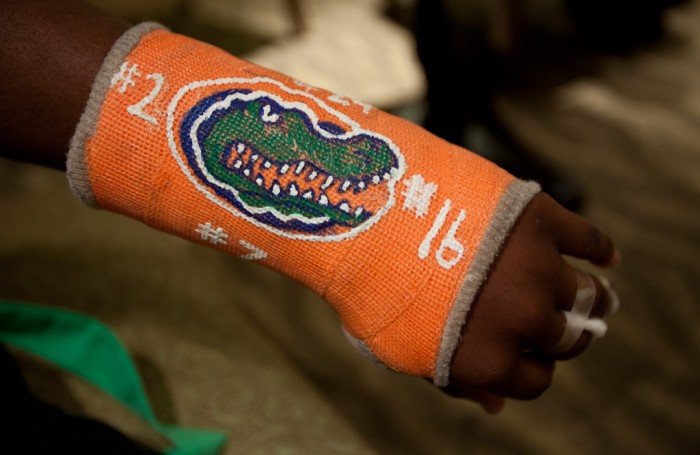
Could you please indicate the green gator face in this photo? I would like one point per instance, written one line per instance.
(277, 164)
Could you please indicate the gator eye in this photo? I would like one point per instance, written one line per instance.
(268, 116)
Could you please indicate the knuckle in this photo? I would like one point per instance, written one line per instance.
(532, 317)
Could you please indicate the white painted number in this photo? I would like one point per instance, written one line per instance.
(450, 251)
(137, 109)
(450, 243)
(424, 248)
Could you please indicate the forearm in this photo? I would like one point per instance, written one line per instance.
(401, 232)
(50, 53)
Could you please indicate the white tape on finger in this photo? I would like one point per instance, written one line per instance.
(577, 319)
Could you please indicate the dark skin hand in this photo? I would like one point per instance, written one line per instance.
(517, 316)
(50, 53)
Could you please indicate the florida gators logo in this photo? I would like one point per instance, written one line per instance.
(292, 165)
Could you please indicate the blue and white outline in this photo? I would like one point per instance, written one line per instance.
(353, 130)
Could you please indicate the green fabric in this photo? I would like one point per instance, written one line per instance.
(89, 350)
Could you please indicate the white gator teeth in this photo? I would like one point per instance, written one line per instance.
(308, 195)
(376, 179)
(361, 185)
(387, 176)
(359, 211)
(267, 165)
(246, 172)
(284, 169)
(240, 148)
(276, 189)
(259, 180)
(323, 200)
(346, 184)
(254, 158)
(313, 175)
(328, 182)
(300, 167)
(238, 164)
(293, 190)
(344, 207)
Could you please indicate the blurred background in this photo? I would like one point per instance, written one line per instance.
(598, 100)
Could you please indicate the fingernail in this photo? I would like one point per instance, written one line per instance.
(615, 259)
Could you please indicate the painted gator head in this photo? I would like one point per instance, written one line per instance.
(275, 162)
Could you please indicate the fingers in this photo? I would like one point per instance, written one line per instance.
(581, 320)
(522, 365)
(579, 238)
(501, 370)
(535, 309)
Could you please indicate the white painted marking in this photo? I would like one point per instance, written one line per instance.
(419, 194)
(215, 236)
(137, 109)
(256, 254)
(424, 248)
(267, 117)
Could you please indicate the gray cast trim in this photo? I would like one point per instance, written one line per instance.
(517, 196)
(76, 165)
(363, 348)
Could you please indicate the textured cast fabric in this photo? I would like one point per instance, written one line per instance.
(394, 227)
